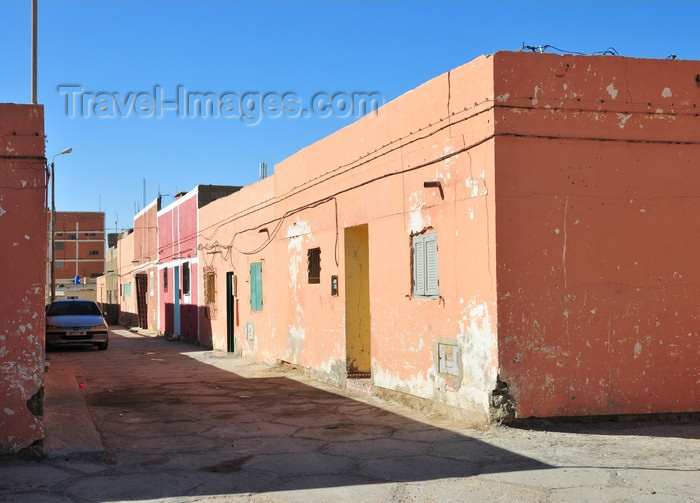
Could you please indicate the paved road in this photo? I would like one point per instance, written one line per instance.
(155, 420)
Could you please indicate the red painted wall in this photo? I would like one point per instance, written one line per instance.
(23, 248)
(597, 187)
(177, 245)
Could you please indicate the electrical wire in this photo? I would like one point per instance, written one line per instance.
(610, 51)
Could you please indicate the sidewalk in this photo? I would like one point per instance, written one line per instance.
(68, 428)
(165, 421)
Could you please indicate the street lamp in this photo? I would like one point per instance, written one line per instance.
(53, 223)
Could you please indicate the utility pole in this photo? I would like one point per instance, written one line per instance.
(35, 13)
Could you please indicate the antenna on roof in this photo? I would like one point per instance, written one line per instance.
(263, 170)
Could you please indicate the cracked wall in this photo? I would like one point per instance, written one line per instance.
(23, 227)
(597, 179)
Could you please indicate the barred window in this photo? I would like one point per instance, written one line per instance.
(314, 256)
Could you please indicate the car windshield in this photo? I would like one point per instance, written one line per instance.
(73, 308)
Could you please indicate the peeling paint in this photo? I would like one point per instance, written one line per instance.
(417, 220)
(612, 91)
(666, 93)
(637, 349)
(298, 228)
(476, 337)
(503, 97)
(295, 232)
(2, 211)
(475, 184)
(295, 343)
(418, 384)
(623, 119)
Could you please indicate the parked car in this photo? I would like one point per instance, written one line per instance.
(75, 321)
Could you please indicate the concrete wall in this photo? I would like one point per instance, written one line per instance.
(564, 225)
(597, 186)
(359, 196)
(23, 248)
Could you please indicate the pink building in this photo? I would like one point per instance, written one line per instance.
(23, 248)
(178, 262)
(512, 238)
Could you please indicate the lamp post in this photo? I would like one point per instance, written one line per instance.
(53, 223)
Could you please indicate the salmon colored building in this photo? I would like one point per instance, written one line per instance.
(145, 274)
(512, 238)
(23, 248)
(126, 280)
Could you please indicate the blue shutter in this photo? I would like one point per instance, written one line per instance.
(256, 286)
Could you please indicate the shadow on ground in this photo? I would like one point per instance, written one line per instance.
(169, 414)
(682, 425)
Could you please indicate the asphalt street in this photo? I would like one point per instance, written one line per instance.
(157, 420)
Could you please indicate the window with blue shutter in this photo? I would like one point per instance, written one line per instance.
(256, 286)
(426, 281)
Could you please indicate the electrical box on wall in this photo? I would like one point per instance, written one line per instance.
(448, 359)
(334, 285)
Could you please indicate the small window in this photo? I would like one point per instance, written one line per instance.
(165, 280)
(256, 286)
(60, 264)
(210, 287)
(186, 278)
(425, 266)
(210, 294)
(72, 236)
(314, 256)
(94, 252)
(58, 245)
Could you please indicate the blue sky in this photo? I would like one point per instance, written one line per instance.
(123, 48)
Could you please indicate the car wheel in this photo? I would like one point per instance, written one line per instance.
(102, 346)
